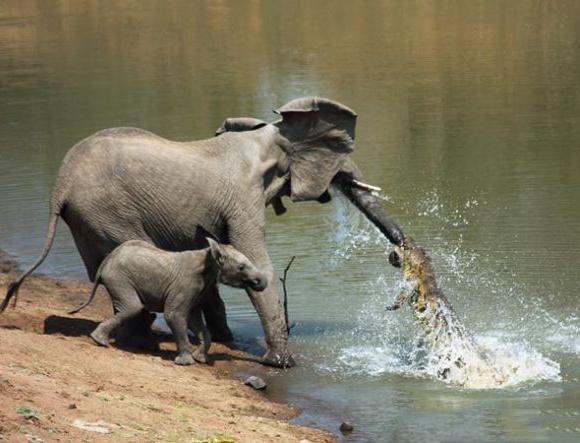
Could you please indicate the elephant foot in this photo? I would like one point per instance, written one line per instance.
(184, 359)
(278, 359)
(200, 356)
(100, 338)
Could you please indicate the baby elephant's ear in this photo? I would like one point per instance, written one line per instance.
(216, 250)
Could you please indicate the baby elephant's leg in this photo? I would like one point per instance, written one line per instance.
(127, 305)
(176, 315)
(198, 325)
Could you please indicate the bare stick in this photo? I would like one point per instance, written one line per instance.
(283, 280)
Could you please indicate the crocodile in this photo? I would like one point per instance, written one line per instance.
(445, 340)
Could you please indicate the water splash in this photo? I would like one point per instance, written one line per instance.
(387, 344)
(503, 351)
(382, 196)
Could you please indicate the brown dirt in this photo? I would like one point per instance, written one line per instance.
(51, 374)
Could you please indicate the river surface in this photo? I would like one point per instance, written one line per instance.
(469, 120)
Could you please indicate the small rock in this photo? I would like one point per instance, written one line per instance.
(72, 406)
(100, 426)
(255, 382)
(346, 427)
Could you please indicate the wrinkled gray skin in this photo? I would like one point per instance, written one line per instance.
(125, 183)
(140, 276)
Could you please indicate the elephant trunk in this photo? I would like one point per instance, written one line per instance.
(369, 206)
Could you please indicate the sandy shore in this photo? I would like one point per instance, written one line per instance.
(52, 377)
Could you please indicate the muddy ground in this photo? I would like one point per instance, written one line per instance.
(54, 381)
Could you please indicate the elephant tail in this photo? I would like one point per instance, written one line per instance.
(93, 291)
(51, 231)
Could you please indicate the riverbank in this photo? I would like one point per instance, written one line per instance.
(54, 381)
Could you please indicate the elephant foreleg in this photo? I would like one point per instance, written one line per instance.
(267, 303)
(196, 321)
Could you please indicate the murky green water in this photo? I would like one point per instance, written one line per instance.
(469, 118)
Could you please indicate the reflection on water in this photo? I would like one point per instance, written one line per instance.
(469, 119)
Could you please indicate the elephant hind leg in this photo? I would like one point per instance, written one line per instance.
(92, 249)
(214, 312)
(92, 244)
(127, 305)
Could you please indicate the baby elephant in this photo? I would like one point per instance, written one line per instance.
(140, 276)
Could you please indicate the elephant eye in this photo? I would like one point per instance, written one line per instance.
(242, 267)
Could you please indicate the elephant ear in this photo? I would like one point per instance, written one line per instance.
(239, 124)
(320, 134)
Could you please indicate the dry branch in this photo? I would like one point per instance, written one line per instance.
(283, 280)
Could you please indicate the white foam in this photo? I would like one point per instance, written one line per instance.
(507, 364)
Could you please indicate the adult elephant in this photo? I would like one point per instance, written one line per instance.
(124, 183)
